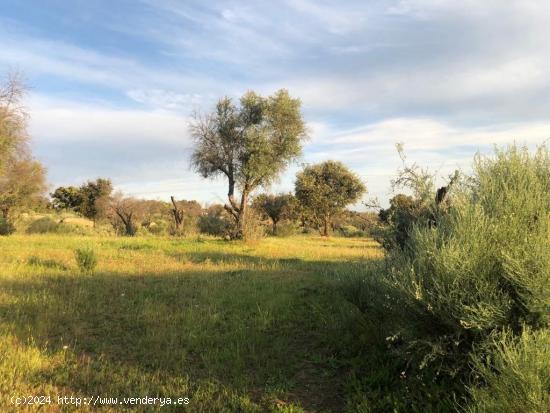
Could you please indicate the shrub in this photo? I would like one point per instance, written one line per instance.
(86, 259)
(42, 226)
(288, 228)
(483, 264)
(6, 227)
(215, 222)
(350, 231)
(516, 377)
(486, 264)
(252, 229)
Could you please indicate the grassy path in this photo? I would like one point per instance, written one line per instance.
(233, 327)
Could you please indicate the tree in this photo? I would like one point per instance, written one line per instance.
(275, 207)
(22, 178)
(13, 121)
(249, 144)
(326, 189)
(177, 213)
(95, 197)
(66, 198)
(123, 214)
(21, 185)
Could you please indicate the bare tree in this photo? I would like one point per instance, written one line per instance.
(124, 213)
(177, 213)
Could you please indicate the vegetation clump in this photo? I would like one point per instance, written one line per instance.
(475, 269)
(86, 259)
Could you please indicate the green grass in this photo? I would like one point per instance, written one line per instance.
(233, 327)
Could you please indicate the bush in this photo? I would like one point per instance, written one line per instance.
(288, 228)
(516, 377)
(6, 227)
(486, 264)
(482, 265)
(86, 259)
(42, 225)
(215, 222)
(350, 231)
(253, 230)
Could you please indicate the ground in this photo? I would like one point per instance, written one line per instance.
(231, 326)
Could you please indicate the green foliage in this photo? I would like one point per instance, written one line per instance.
(486, 264)
(215, 222)
(48, 263)
(404, 212)
(515, 377)
(252, 229)
(6, 227)
(482, 265)
(86, 259)
(43, 225)
(350, 231)
(22, 183)
(94, 198)
(67, 198)
(326, 189)
(249, 144)
(288, 228)
(274, 207)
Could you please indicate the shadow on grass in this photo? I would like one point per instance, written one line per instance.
(234, 341)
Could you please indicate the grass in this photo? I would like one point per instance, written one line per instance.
(231, 326)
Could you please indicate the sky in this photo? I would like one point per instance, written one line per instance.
(113, 84)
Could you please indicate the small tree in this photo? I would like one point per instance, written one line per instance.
(275, 207)
(326, 189)
(95, 197)
(124, 213)
(250, 145)
(21, 185)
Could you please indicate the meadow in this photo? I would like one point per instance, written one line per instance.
(229, 325)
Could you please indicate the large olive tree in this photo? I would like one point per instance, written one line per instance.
(249, 144)
(325, 189)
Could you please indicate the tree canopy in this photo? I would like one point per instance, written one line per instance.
(325, 189)
(275, 207)
(249, 144)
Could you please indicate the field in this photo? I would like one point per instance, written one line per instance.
(231, 326)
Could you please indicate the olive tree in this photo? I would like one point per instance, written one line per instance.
(249, 144)
(325, 189)
(275, 207)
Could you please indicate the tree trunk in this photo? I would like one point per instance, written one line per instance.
(325, 226)
(241, 216)
(275, 227)
(177, 213)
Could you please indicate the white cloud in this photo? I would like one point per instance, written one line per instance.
(69, 122)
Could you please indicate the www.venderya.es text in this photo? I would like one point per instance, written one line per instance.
(98, 401)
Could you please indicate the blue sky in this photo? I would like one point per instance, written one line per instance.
(113, 83)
